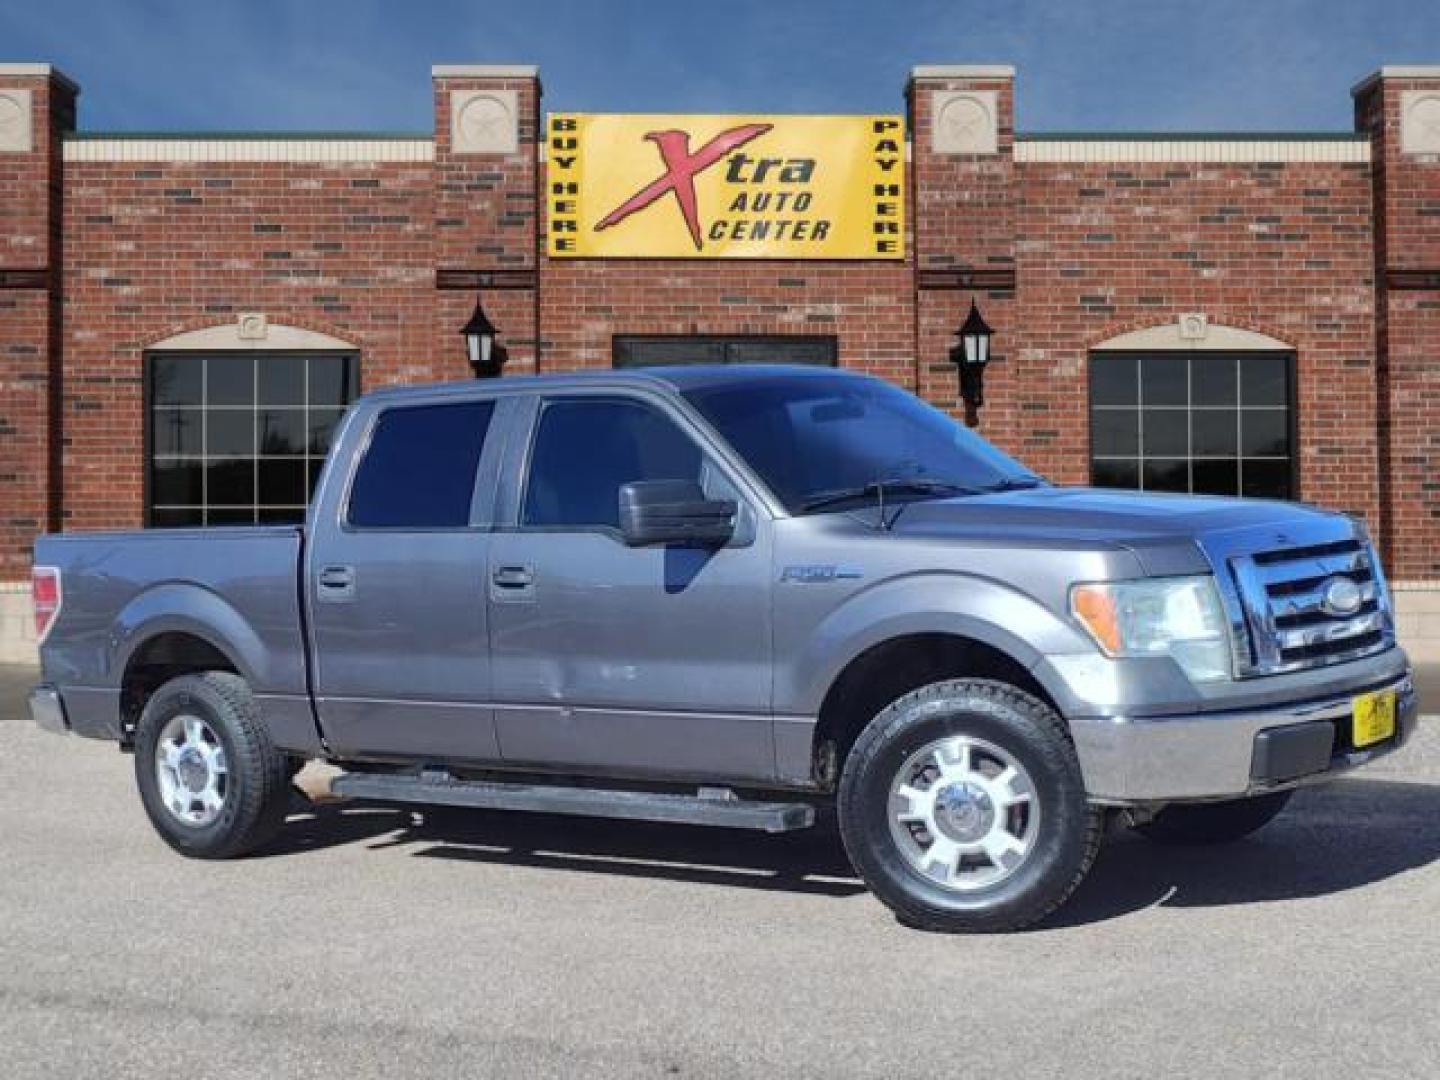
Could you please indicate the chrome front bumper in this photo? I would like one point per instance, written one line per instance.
(1129, 760)
(48, 711)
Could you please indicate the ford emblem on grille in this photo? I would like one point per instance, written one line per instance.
(1340, 597)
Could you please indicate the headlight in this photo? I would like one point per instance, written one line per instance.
(1179, 617)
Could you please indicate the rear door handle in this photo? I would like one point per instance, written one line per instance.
(513, 577)
(337, 582)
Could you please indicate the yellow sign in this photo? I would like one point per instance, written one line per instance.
(727, 187)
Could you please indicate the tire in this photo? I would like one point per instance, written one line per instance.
(1192, 824)
(212, 783)
(978, 727)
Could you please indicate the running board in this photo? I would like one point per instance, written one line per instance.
(713, 806)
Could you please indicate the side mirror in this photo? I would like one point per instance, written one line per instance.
(674, 512)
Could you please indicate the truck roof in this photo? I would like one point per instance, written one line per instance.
(679, 377)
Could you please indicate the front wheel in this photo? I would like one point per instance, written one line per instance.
(1190, 824)
(963, 808)
(213, 784)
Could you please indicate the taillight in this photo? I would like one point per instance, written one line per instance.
(46, 595)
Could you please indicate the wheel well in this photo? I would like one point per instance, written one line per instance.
(162, 658)
(891, 670)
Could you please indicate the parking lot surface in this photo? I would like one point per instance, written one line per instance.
(375, 942)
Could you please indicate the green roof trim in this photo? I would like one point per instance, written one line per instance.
(1191, 136)
(250, 136)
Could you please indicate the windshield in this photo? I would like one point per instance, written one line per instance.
(819, 441)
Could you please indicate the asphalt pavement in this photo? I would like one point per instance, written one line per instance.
(373, 942)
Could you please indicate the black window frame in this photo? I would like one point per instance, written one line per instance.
(619, 343)
(149, 357)
(1292, 412)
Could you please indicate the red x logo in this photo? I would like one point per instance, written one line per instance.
(681, 168)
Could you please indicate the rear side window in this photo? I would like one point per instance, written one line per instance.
(419, 470)
(586, 448)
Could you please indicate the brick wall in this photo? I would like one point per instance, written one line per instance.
(1282, 249)
(1407, 256)
(30, 251)
(1061, 256)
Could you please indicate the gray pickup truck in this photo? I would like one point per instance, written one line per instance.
(734, 596)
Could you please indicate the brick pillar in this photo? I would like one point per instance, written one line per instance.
(1400, 108)
(37, 105)
(486, 207)
(963, 206)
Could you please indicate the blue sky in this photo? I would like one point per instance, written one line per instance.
(364, 64)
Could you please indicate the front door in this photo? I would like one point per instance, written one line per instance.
(607, 658)
(397, 591)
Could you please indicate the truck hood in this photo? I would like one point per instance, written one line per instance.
(1161, 530)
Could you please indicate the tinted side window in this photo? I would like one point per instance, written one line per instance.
(419, 470)
(586, 448)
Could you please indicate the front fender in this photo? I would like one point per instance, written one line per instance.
(180, 607)
(964, 605)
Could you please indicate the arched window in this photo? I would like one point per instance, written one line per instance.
(236, 435)
(1217, 419)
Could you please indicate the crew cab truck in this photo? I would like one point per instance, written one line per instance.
(729, 596)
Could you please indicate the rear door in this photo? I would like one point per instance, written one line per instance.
(396, 577)
(613, 659)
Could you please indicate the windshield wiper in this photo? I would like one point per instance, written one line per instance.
(880, 489)
(1016, 483)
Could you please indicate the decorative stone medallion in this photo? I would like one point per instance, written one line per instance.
(484, 122)
(965, 122)
(1194, 326)
(16, 135)
(1420, 121)
(252, 326)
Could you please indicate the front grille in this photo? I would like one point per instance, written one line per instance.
(1282, 600)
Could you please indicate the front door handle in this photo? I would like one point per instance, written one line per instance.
(513, 577)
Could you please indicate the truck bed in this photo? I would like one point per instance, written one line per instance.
(121, 588)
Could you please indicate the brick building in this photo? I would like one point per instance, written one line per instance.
(1234, 313)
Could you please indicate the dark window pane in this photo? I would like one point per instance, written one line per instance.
(1114, 379)
(282, 380)
(1212, 381)
(332, 380)
(230, 381)
(1213, 433)
(1115, 474)
(1115, 432)
(1265, 479)
(176, 380)
(1163, 380)
(229, 516)
(1264, 380)
(1166, 433)
(231, 482)
(230, 432)
(281, 515)
(1167, 474)
(585, 450)
(177, 431)
(316, 467)
(280, 431)
(1265, 433)
(176, 517)
(779, 351)
(419, 471)
(282, 481)
(322, 429)
(176, 483)
(1216, 477)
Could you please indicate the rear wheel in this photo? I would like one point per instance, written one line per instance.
(963, 808)
(1192, 824)
(212, 783)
